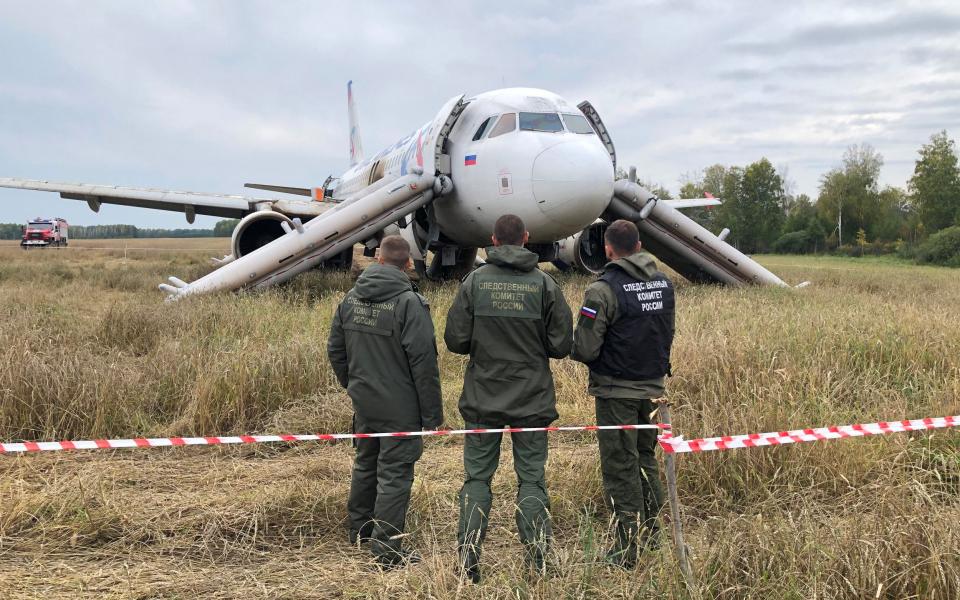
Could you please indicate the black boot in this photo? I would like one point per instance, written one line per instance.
(623, 554)
(536, 560)
(650, 538)
(395, 559)
(362, 535)
(469, 566)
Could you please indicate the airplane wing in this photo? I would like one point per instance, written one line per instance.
(693, 202)
(189, 203)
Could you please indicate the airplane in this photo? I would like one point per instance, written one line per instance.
(524, 151)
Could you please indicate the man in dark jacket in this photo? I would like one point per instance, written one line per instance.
(624, 334)
(511, 318)
(382, 349)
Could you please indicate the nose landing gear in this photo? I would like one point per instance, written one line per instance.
(449, 262)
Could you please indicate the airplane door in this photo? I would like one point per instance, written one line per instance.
(594, 117)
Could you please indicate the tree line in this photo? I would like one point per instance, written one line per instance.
(223, 228)
(852, 213)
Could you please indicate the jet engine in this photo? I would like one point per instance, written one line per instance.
(258, 229)
(262, 227)
(583, 250)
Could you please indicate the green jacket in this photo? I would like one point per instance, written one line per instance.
(382, 349)
(511, 318)
(589, 335)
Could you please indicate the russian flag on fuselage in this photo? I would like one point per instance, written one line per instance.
(469, 160)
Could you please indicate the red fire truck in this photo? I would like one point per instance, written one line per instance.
(41, 233)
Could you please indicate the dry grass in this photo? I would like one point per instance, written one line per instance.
(87, 348)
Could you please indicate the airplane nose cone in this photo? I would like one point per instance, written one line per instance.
(572, 183)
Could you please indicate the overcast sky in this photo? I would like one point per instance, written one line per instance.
(205, 96)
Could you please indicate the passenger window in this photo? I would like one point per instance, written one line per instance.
(506, 124)
(577, 123)
(549, 122)
(482, 128)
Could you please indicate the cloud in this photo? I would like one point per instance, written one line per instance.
(828, 33)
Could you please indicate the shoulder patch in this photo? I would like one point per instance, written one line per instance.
(586, 311)
(588, 314)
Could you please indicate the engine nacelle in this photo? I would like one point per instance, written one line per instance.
(264, 226)
(583, 251)
(258, 229)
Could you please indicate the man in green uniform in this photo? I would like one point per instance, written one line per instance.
(624, 334)
(511, 318)
(383, 350)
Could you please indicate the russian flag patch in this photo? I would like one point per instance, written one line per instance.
(469, 160)
(588, 312)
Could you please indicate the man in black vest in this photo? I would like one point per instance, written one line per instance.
(624, 334)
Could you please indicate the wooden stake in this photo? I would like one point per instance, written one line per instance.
(680, 548)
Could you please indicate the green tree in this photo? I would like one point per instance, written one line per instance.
(861, 241)
(894, 216)
(11, 231)
(800, 214)
(710, 180)
(753, 201)
(131, 231)
(714, 178)
(225, 227)
(852, 192)
(803, 230)
(765, 199)
(942, 248)
(935, 185)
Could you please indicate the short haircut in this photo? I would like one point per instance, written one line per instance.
(509, 230)
(623, 236)
(394, 250)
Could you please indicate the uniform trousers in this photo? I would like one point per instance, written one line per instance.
(481, 456)
(631, 476)
(380, 489)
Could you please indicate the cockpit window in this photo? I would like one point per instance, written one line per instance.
(577, 123)
(506, 124)
(549, 122)
(483, 127)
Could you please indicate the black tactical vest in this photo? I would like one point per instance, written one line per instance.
(637, 346)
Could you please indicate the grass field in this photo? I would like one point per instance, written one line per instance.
(89, 349)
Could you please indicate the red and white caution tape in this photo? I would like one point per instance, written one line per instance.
(260, 439)
(678, 444)
(668, 442)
